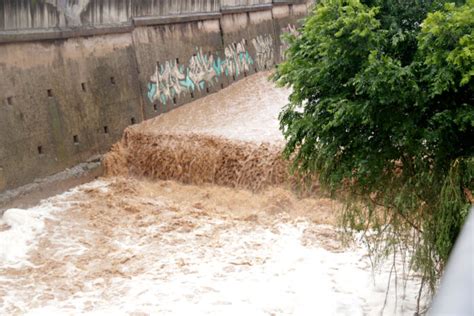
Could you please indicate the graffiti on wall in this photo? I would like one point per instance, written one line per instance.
(263, 45)
(202, 70)
(237, 59)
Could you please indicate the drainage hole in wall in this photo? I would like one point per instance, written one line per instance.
(256, 70)
(75, 139)
(192, 95)
(50, 93)
(177, 61)
(207, 89)
(155, 107)
(132, 120)
(10, 100)
(106, 129)
(233, 77)
(174, 100)
(112, 80)
(222, 86)
(83, 86)
(40, 150)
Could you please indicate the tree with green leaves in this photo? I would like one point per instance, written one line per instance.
(382, 111)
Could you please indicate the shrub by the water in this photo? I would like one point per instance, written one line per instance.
(382, 110)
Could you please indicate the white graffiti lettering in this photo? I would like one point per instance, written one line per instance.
(264, 51)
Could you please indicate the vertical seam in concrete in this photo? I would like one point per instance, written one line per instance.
(277, 40)
(221, 31)
(137, 68)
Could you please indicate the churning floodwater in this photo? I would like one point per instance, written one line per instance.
(196, 216)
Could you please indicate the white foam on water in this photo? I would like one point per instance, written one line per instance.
(248, 270)
(22, 227)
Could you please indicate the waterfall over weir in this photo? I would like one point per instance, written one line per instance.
(195, 216)
(201, 143)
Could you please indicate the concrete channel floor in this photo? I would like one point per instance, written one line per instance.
(126, 245)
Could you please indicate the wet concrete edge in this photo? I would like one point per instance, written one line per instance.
(31, 194)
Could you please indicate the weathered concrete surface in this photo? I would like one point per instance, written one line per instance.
(65, 100)
(32, 193)
(286, 19)
(256, 32)
(60, 106)
(40, 14)
(176, 63)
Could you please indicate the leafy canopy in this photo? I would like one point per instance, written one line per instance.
(382, 110)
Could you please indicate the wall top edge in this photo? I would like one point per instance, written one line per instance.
(246, 8)
(178, 18)
(27, 35)
(282, 2)
(15, 36)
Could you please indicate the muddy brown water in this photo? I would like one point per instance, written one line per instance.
(230, 139)
(199, 187)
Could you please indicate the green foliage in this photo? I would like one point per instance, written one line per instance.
(447, 44)
(382, 110)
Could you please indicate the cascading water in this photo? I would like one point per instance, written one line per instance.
(198, 159)
(195, 216)
(208, 148)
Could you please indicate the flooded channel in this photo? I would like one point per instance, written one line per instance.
(196, 216)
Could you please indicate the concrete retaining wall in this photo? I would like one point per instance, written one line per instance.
(66, 94)
(176, 63)
(43, 14)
